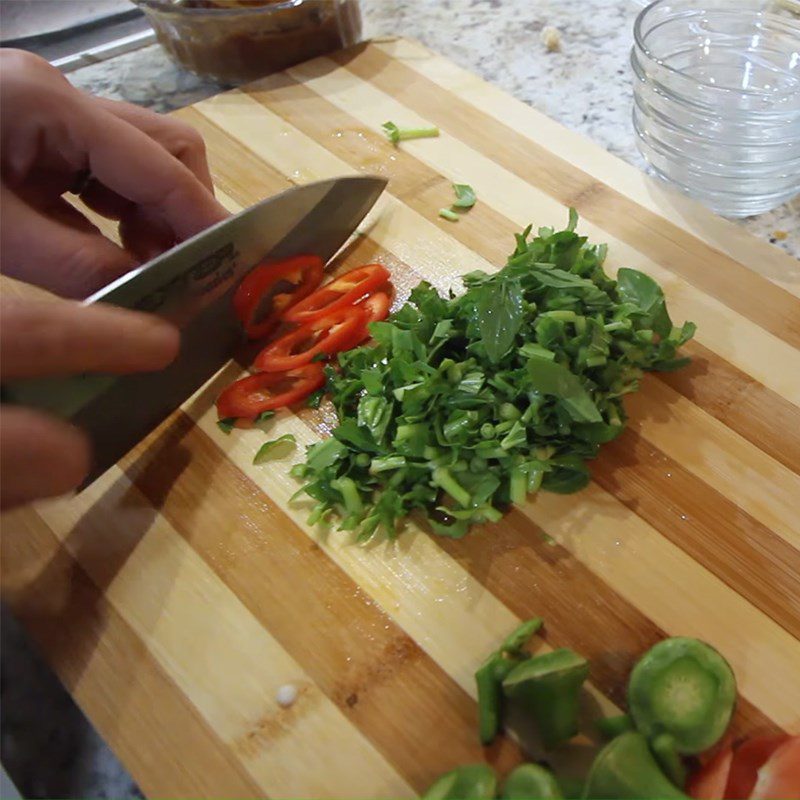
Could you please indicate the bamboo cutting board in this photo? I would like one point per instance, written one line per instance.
(177, 594)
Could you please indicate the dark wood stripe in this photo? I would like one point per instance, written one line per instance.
(515, 562)
(743, 404)
(391, 690)
(165, 743)
(745, 291)
(753, 560)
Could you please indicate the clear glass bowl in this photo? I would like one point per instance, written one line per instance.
(717, 100)
(246, 40)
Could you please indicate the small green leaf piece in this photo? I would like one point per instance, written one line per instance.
(273, 448)
(226, 425)
(465, 195)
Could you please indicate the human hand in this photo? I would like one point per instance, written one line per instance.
(147, 171)
(41, 456)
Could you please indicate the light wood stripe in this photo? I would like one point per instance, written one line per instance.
(741, 403)
(748, 293)
(346, 645)
(132, 701)
(581, 152)
(182, 607)
(745, 554)
(758, 484)
(419, 225)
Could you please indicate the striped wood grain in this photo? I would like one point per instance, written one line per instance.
(182, 589)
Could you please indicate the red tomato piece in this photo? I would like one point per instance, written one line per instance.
(748, 758)
(779, 778)
(271, 288)
(339, 330)
(346, 290)
(709, 782)
(266, 391)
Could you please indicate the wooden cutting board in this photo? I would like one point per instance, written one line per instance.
(177, 594)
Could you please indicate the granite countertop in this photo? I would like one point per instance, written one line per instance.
(47, 746)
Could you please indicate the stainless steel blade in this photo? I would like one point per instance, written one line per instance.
(192, 285)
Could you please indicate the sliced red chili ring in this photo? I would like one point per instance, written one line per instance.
(376, 307)
(343, 291)
(270, 289)
(339, 330)
(266, 391)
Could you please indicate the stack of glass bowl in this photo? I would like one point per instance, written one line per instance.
(717, 100)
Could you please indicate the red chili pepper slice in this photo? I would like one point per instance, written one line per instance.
(266, 391)
(376, 306)
(339, 330)
(270, 289)
(343, 291)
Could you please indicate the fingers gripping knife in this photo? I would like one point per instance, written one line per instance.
(192, 286)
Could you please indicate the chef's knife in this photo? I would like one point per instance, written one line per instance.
(192, 285)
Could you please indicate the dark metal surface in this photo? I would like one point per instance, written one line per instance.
(192, 285)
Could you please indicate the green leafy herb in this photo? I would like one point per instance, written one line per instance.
(264, 416)
(315, 398)
(465, 195)
(226, 425)
(394, 133)
(466, 403)
(273, 448)
(448, 214)
(499, 316)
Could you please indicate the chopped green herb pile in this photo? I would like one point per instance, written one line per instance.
(394, 133)
(468, 403)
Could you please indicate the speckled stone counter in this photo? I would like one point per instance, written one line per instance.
(47, 746)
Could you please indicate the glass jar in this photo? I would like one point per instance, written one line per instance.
(239, 40)
(717, 100)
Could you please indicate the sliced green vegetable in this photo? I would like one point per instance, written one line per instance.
(491, 674)
(264, 416)
(548, 687)
(448, 214)
(519, 378)
(394, 133)
(669, 759)
(465, 195)
(226, 425)
(610, 727)
(529, 781)
(685, 688)
(275, 448)
(626, 770)
(470, 782)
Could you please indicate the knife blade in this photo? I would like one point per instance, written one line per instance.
(192, 285)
